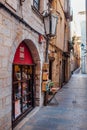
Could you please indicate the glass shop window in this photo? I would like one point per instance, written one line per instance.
(22, 89)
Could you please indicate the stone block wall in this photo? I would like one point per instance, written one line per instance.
(5, 75)
(12, 33)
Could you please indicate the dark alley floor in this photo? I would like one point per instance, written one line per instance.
(69, 114)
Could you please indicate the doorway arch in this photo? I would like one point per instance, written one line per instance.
(25, 64)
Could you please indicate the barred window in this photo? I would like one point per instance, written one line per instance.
(36, 4)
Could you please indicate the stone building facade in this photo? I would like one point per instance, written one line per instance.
(22, 54)
(59, 53)
(20, 23)
(75, 55)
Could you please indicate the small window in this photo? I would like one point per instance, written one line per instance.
(36, 4)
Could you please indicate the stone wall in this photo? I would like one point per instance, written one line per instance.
(12, 33)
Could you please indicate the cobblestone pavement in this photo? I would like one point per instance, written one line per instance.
(69, 114)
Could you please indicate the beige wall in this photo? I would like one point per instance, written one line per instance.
(60, 28)
(59, 45)
(57, 5)
(75, 53)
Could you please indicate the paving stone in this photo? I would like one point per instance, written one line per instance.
(69, 114)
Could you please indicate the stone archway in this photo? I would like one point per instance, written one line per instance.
(36, 59)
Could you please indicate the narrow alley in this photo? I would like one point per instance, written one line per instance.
(67, 111)
(42, 43)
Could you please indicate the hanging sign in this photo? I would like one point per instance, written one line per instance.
(21, 53)
(41, 39)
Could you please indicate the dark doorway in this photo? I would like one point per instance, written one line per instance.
(50, 69)
(63, 70)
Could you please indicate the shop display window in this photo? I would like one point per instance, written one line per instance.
(22, 89)
(17, 73)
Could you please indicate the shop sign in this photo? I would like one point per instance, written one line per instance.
(41, 39)
(23, 55)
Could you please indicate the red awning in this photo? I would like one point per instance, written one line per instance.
(23, 55)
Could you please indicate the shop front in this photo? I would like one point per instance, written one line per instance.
(23, 83)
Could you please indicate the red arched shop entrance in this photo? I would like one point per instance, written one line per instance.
(22, 91)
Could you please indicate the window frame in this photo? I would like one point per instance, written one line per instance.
(29, 93)
(36, 4)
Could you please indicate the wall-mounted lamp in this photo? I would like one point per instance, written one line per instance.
(50, 26)
(82, 46)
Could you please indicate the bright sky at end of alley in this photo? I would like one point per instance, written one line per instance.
(78, 5)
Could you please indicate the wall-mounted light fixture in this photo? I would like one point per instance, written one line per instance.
(50, 25)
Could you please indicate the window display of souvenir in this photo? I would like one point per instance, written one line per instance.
(17, 72)
(22, 89)
(18, 75)
(24, 100)
(24, 72)
(17, 91)
(17, 108)
(30, 70)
